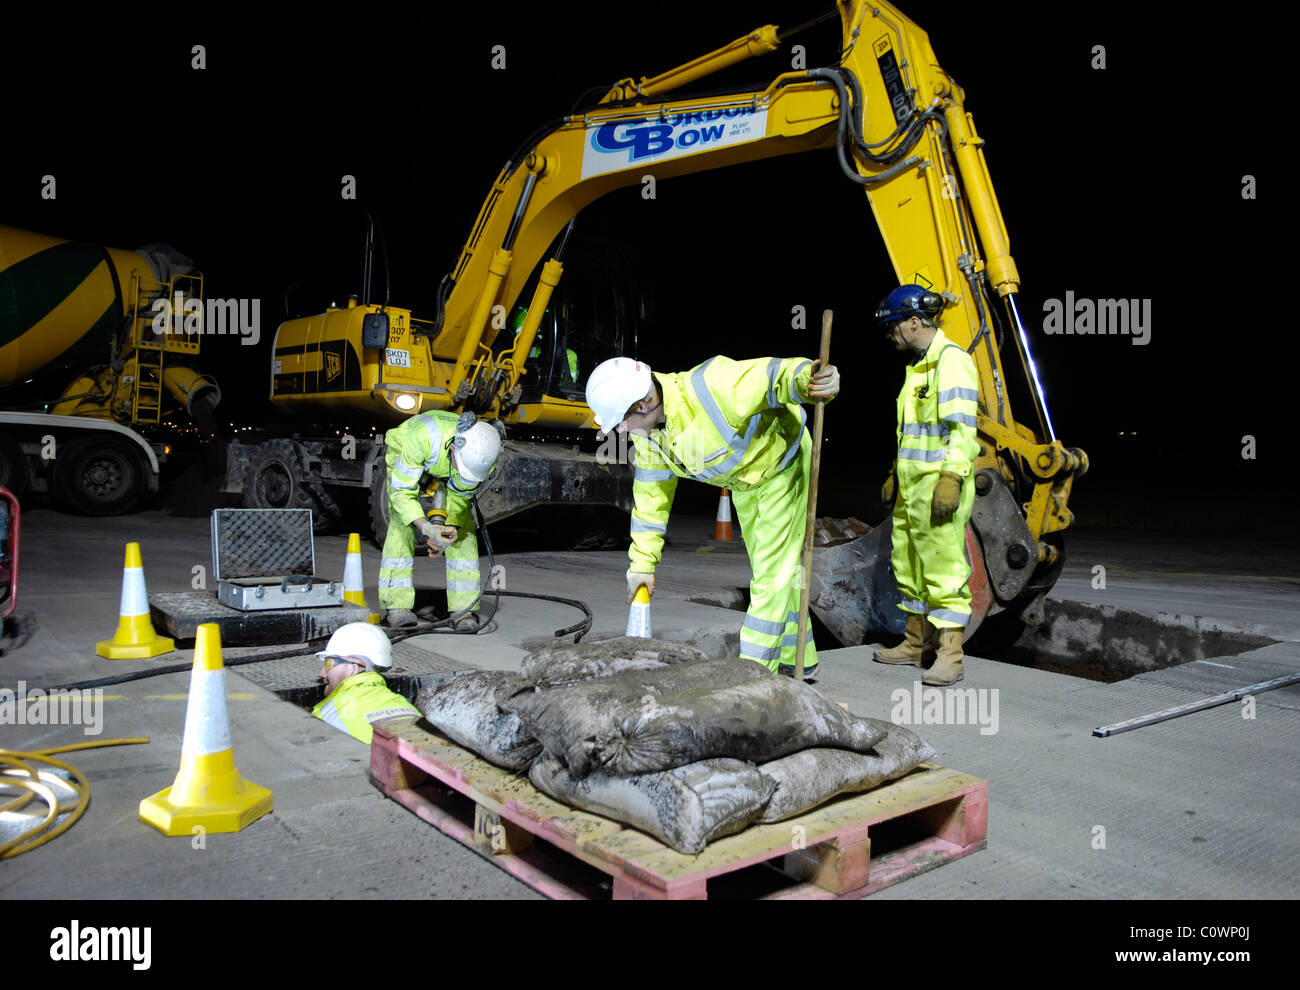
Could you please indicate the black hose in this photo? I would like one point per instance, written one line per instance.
(301, 649)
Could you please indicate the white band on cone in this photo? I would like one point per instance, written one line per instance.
(352, 573)
(207, 722)
(135, 600)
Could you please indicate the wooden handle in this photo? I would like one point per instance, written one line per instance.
(810, 522)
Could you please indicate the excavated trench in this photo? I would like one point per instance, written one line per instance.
(1096, 642)
(1105, 643)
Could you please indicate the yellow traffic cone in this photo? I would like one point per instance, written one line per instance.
(354, 585)
(208, 791)
(722, 526)
(638, 616)
(135, 638)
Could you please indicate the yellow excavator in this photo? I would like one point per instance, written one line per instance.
(899, 128)
(96, 350)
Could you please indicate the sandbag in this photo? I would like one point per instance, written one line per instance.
(686, 807)
(758, 721)
(467, 710)
(569, 720)
(806, 779)
(557, 666)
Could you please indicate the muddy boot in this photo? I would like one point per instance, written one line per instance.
(400, 618)
(467, 623)
(917, 645)
(947, 668)
(809, 673)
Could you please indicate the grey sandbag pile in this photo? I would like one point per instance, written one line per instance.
(558, 666)
(644, 721)
(806, 779)
(686, 807)
(468, 710)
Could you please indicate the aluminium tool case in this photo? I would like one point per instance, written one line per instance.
(266, 558)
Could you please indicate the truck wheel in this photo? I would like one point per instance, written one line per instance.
(98, 476)
(379, 503)
(379, 509)
(13, 466)
(275, 481)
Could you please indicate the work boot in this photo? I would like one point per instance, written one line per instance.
(400, 618)
(917, 645)
(947, 668)
(467, 623)
(809, 673)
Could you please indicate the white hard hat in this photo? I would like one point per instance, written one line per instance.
(614, 386)
(476, 450)
(360, 639)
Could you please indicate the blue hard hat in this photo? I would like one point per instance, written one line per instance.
(909, 300)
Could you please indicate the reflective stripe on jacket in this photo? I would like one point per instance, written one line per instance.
(733, 424)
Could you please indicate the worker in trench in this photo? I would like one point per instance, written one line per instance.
(731, 424)
(357, 696)
(930, 486)
(461, 453)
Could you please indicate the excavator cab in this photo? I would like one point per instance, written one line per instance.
(596, 313)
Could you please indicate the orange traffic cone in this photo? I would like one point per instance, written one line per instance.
(135, 638)
(638, 616)
(208, 792)
(722, 527)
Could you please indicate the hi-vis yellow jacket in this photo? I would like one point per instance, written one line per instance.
(421, 447)
(936, 412)
(729, 423)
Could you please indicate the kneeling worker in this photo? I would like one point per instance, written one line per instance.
(732, 424)
(358, 696)
(462, 452)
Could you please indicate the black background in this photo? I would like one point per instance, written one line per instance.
(1116, 183)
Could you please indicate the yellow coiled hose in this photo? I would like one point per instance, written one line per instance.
(32, 787)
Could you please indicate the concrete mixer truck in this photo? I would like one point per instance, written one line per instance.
(96, 345)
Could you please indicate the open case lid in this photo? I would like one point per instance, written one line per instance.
(255, 543)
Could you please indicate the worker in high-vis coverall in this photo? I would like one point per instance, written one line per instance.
(736, 425)
(461, 452)
(931, 485)
(357, 696)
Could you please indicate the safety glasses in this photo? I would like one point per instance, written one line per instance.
(331, 661)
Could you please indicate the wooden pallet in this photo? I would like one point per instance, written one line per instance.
(930, 817)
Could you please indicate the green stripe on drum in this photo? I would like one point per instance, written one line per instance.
(31, 289)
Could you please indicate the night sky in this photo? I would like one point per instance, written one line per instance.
(1121, 183)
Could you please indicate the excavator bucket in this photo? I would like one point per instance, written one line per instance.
(852, 588)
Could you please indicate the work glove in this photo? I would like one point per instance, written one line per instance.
(637, 578)
(947, 495)
(889, 490)
(825, 383)
(439, 537)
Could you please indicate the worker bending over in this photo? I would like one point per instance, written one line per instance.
(460, 452)
(731, 424)
(930, 485)
(358, 697)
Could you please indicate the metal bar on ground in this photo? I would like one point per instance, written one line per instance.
(1197, 706)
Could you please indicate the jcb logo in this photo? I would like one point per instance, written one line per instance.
(333, 365)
